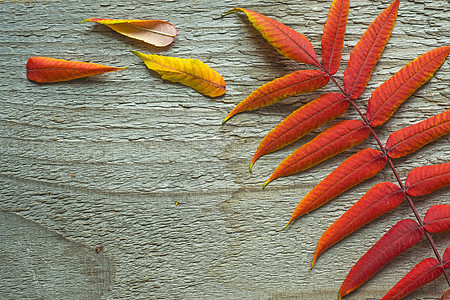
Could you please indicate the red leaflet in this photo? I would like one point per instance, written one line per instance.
(446, 258)
(296, 83)
(424, 272)
(333, 35)
(387, 97)
(332, 141)
(437, 219)
(308, 117)
(367, 51)
(424, 180)
(46, 69)
(285, 40)
(398, 239)
(355, 169)
(379, 200)
(411, 138)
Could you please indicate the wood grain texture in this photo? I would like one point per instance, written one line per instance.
(103, 161)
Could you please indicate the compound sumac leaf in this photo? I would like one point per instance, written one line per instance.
(330, 142)
(308, 117)
(379, 200)
(398, 239)
(46, 69)
(367, 51)
(190, 72)
(424, 180)
(437, 218)
(296, 83)
(388, 96)
(355, 169)
(424, 272)
(411, 138)
(155, 32)
(333, 35)
(285, 40)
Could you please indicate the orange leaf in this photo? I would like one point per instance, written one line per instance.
(388, 96)
(379, 200)
(285, 40)
(332, 141)
(333, 35)
(437, 219)
(355, 169)
(446, 295)
(424, 180)
(367, 51)
(46, 69)
(296, 83)
(155, 32)
(398, 239)
(424, 272)
(308, 117)
(190, 72)
(411, 138)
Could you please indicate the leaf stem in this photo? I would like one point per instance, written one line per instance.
(394, 170)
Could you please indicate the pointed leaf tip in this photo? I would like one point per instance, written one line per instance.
(305, 119)
(155, 32)
(367, 51)
(296, 83)
(190, 72)
(49, 70)
(398, 239)
(285, 40)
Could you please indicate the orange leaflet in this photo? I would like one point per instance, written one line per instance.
(333, 35)
(190, 72)
(332, 141)
(379, 200)
(355, 169)
(308, 117)
(411, 138)
(285, 40)
(155, 32)
(437, 219)
(424, 272)
(398, 239)
(446, 258)
(387, 97)
(367, 51)
(424, 180)
(296, 83)
(46, 69)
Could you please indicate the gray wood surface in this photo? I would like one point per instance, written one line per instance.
(92, 170)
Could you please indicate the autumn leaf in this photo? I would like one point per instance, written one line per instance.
(190, 72)
(355, 169)
(285, 40)
(155, 32)
(446, 295)
(308, 117)
(367, 51)
(379, 200)
(424, 272)
(47, 70)
(388, 96)
(437, 219)
(332, 141)
(398, 239)
(333, 35)
(414, 137)
(296, 83)
(424, 180)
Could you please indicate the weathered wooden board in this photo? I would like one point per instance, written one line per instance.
(103, 161)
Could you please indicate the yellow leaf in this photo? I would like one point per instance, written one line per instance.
(190, 72)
